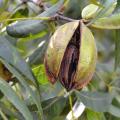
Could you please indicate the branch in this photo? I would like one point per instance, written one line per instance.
(61, 17)
(54, 18)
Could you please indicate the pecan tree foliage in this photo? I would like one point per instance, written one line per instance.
(74, 44)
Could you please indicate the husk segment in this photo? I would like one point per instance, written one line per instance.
(87, 59)
(56, 49)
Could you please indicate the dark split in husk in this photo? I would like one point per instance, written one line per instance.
(70, 61)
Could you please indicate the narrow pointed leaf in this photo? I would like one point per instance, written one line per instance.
(10, 54)
(15, 100)
(13, 61)
(115, 111)
(23, 81)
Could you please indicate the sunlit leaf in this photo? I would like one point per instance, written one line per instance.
(77, 109)
(91, 115)
(89, 11)
(4, 16)
(21, 11)
(39, 72)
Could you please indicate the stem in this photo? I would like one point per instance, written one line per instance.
(56, 17)
(71, 106)
(30, 18)
(61, 17)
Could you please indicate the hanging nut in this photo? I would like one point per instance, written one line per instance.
(71, 56)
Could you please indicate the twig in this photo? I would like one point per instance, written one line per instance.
(71, 106)
(61, 17)
(56, 17)
(29, 18)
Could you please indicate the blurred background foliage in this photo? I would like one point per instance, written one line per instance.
(27, 94)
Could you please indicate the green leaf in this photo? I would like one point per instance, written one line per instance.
(49, 91)
(10, 112)
(26, 27)
(9, 53)
(15, 100)
(92, 10)
(4, 15)
(89, 11)
(51, 1)
(117, 49)
(109, 6)
(23, 81)
(115, 111)
(97, 101)
(39, 72)
(112, 22)
(13, 61)
(56, 108)
(91, 115)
